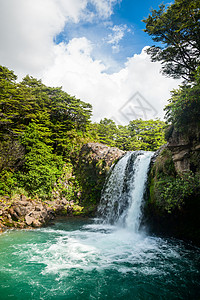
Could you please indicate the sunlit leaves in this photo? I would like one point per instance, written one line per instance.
(137, 135)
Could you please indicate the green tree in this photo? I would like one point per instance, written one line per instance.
(123, 138)
(149, 134)
(8, 92)
(137, 135)
(184, 105)
(107, 132)
(66, 116)
(42, 167)
(40, 127)
(177, 30)
(30, 100)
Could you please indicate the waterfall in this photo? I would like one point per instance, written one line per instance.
(122, 195)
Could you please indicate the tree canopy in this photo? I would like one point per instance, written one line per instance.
(176, 29)
(31, 101)
(41, 128)
(137, 135)
(183, 109)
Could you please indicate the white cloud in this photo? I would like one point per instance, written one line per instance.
(118, 32)
(27, 31)
(84, 77)
(28, 28)
(104, 7)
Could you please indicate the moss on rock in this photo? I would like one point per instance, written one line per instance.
(93, 165)
(173, 204)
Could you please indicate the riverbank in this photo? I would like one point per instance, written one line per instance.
(23, 212)
(77, 191)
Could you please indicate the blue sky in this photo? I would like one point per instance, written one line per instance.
(127, 15)
(94, 49)
(132, 13)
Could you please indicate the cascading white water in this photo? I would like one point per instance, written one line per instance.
(122, 196)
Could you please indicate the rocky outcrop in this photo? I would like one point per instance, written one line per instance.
(185, 147)
(93, 166)
(23, 212)
(96, 152)
(173, 204)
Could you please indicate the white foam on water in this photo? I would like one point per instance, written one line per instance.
(94, 248)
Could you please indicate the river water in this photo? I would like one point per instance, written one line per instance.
(77, 259)
(96, 259)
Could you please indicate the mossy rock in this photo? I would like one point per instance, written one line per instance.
(173, 201)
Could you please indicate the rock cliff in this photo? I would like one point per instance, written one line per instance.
(173, 204)
(185, 148)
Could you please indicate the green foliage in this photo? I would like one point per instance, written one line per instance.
(124, 141)
(91, 175)
(67, 185)
(40, 127)
(169, 190)
(31, 100)
(149, 134)
(11, 154)
(177, 29)
(17, 192)
(138, 135)
(195, 161)
(184, 106)
(8, 182)
(41, 168)
(174, 191)
(164, 165)
(107, 131)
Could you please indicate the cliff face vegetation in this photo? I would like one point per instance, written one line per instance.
(92, 168)
(174, 195)
(174, 182)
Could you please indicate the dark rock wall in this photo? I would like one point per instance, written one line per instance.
(181, 156)
(185, 148)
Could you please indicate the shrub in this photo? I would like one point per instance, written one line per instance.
(8, 182)
(174, 191)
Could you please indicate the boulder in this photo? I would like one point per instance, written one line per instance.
(29, 220)
(97, 152)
